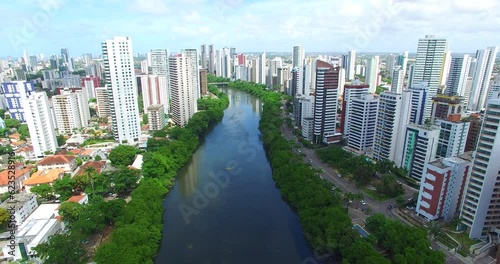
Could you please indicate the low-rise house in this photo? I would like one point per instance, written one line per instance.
(35, 230)
(65, 162)
(27, 152)
(17, 176)
(42, 177)
(81, 199)
(22, 206)
(15, 137)
(98, 166)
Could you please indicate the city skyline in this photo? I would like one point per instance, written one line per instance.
(279, 25)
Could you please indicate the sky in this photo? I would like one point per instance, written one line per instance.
(46, 26)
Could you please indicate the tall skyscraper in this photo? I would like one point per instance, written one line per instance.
(40, 123)
(446, 70)
(372, 72)
(159, 62)
(390, 62)
(481, 78)
(452, 136)
(402, 61)
(255, 76)
(362, 122)
(480, 212)
(419, 94)
(263, 68)
(154, 91)
(65, 54)
(182, 89)
(211, 59)
(420, 147)
(393, 116)
(193, 55)
(351, 64)
(71, 111)
(352, 91)
(429, 66)
(122, 88)
(398, 79)
(102, 99)
(15, 93)
(298, 56)
(326, 103)
(204, 56)
(457, 77)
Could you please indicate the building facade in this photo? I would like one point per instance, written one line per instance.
(40, 123)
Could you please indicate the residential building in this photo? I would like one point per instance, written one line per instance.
(362, 123)
(71, 111)
(154, 91)
(442, 187)
(255, 78)
(445, 105)
(195, 71)
(480, 211)
(393, 115)
(182, 89)
(15, 93)
(262, 68)
(102, 99)
(43, 177)
(21, 206)
(457, 78)
(298, 56)
(91, 83)
(351, 91)
(122, 89)
(372, 73)
(156, 117)
(203, 82)
(65, 162)
(474, 131)
(211, 59)
(419, 94)
(390, 62)
(452, 136)
(481, 78)
(326, 103)
(204, 61)
(159, 62)
(420, 147)
(40, 123)
(429, 66)
(398, 79)
(351, 64)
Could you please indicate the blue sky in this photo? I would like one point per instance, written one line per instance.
(45, 26)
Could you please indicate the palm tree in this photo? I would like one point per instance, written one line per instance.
(90, 172)
(358, 197)
(435, 230)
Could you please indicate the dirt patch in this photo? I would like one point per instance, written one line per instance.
(95, 240)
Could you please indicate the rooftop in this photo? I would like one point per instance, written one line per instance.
(56, 159)
(155, 107)
(97, 165)
(41, 177)
(4, 175)
(19, 200)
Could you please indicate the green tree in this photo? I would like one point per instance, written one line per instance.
(61, 140)
(145, 119)
(70, 211)
(4, 218)
(2, 113)
(93, 112)
(44, 191)
(64, 187)
(125, 179)
(400, 201)
(62, 249)
(435, 230)
(23, 131)
(389, 186)
(122, 155)
(78, 161)
(97, 158)
(12, 123)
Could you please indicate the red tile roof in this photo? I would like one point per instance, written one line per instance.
(97, 165)
(56, 159)
(76, 198)
(4, 175)
(41, 177)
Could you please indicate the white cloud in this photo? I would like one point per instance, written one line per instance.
(154, 7)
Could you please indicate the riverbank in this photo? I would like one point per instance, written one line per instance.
(137, 233)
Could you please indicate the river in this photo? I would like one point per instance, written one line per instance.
(224, 206)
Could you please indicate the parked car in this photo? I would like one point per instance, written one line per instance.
(363, 202)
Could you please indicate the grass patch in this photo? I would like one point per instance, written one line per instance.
(375, 195)
(464, 239)
(96, 141)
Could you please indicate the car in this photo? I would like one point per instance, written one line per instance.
(310, 161)
(299, 151)
(363, 202)
(340, 176)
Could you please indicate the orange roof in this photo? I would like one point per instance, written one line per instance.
(4, 175)
(41, 177)
(24, 149)
(76, 198)
(86, 152)
(56, 159)
(18, 143)
(97, 165)
(15, 136)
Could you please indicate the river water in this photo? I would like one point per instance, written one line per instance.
(225, 207)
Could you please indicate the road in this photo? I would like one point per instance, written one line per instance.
(339, 182)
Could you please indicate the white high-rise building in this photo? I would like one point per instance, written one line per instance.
(393, 115)
(263, 68)
(452, 136)
(144, 67)
(351, 65)
(211, 59)
(122, 88)
(255, 76)
(159, 62)
(403, 61)
(40, 123)
(481, 78)
(457, 78)
(298, 56)
(182, 89)
(494, 87)
(390, 62)
(71, 111)
(420, 147)
(154, 91)
(372, 72)
(352, 91)
(446, 68)
(398, 79)
(156, 117)
(89, 88)
(480, 211)
(195, 72)
(362, 123)
(419, 95)
(429, 67)
(218, 63)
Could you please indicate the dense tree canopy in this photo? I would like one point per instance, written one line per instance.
(122, 155)
(62, 249)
